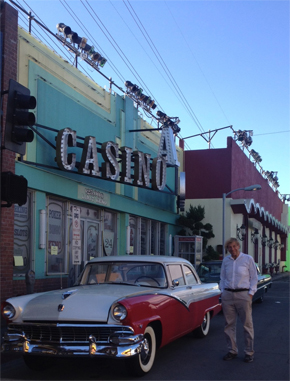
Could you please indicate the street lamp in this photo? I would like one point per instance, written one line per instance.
(250, 188)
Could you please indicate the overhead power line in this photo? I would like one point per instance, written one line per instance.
(163, 64)
(202, 72)
(82, 26)
(272, 133)
(115, 45)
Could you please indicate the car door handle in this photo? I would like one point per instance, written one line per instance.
(188, 287)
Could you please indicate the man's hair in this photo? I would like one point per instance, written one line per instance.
(232, 240)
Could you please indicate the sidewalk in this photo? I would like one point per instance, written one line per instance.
(280, 276)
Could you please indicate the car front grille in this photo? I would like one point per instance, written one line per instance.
(67, 333)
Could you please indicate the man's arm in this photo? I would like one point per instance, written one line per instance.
(222, 277)
(253, 277)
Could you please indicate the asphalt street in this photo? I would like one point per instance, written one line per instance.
(190, 358)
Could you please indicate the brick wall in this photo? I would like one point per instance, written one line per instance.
(9, 29)
(41, 285)
(9, 288)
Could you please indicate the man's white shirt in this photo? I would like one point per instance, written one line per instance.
(239, 273)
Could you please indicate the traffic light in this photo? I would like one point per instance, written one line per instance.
(18, 118)
(13, 189)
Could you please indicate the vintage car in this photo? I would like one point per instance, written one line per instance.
(120, 307)
(210, 272)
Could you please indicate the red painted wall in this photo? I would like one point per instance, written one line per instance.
(212, 172)
(208, 173)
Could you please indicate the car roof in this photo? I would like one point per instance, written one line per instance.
(141, 258)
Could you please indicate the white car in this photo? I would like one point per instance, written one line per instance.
(121, 307)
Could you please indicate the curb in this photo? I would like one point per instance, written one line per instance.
(280, 276)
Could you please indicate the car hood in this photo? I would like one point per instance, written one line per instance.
(83, 303)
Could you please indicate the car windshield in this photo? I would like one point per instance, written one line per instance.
(133, 273)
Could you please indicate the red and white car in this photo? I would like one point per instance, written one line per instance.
(121, 307)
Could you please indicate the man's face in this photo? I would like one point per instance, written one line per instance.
(234, 249)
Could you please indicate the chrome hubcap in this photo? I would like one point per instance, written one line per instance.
(145, 350)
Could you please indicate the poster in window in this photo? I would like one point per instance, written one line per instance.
(108, 221)
(22, 229)
(108, 242)
(55, 260)
(92, 240)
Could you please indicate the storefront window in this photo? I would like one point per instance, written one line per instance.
(162, 239)
(144, 236)
(154, 235)
(151, 236)
(110, 233)
(133, 235)
(74, 236)
(22, 237)
(56, 227)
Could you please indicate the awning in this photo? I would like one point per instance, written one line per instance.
(255, 210)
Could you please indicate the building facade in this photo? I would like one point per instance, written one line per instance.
(97, 185)
(212, 173)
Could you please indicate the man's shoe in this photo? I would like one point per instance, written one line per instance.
(229, 356)
(249, 358)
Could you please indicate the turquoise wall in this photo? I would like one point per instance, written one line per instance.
(60, 106)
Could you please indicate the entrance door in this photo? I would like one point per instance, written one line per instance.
(92, 240)
(90, 246)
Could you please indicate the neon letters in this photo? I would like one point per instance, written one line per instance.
(115, 166)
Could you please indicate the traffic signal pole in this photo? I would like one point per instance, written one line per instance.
(18, 118)
(17, 134)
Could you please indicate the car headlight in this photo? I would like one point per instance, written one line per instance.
(119, 312)
(8, 311)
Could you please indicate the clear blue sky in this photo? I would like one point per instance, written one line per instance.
(211, 63)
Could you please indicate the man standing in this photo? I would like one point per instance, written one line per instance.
(238, 284)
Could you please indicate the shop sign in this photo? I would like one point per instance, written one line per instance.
(93, 196)
(111, 167)
(55, 218)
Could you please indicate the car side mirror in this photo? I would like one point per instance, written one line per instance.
(175, 283)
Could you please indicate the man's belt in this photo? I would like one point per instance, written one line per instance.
(236, 289)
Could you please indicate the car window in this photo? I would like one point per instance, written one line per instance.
(142, 274)
(209, 269)
(202, 270)
(175, 272)
(215, 269)
(189, 275)
(150, 274)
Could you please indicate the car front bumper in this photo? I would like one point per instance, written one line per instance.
(126, 347)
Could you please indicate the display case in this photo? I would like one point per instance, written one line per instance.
(189, 247)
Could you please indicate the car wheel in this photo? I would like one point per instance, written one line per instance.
(203, 329)
(141, 364)
(37, 363)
